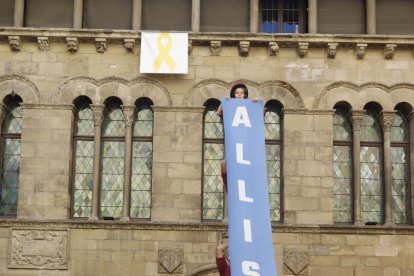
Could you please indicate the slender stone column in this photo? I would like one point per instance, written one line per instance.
(195, 15)
(254, 16)
(18, 13)
(411, 158)
(77, 14)
(129, 119)
(2, 115)
(136, 14)
(371, 16)
(357, 116)
(387, 118)
(97, 113)
(313, 16)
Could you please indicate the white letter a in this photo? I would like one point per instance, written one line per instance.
(241, 117)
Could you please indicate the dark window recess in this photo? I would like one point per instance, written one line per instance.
(171, 15)
(284, 16)
(395, 17)
(49, 13)
(6, 13)
(225, 16)
(107, 14)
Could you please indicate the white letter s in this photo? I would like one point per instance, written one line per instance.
(247, 265)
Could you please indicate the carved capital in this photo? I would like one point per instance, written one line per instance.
(389, 51)
(128, 111)
(72, 44)
(303, 49)
(360, 50)
(171, 260)
(43, 43)
(356, 116)
(129, 44)
(386, 120)
(244, 48)
(296, 263)
(100, 44)
(273, 48)
(332, 50)
(190, 46)
(215, 47)
(97, 113)
(14, 42)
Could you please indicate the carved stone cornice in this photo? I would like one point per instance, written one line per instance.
(360, 50)
(100, 44)
(47, 106)
(129, 44)
(386, 120)
(128, 111)
(273, 48)
(331, 50)
(43, 43)
(307, 111)
(303, 49)
(72, 44)
(186, 109)
(97, 113)
(14, 42)
(215, 47)
(389, 51)
(244, 48)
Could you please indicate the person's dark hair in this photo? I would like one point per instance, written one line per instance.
(239, 85)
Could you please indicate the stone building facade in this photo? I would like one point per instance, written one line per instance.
(106, 171)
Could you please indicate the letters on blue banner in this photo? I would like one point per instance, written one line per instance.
(250, 234)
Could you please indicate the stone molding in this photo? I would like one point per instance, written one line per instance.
(38, 248)
(32, 87)
(178, 109)
(48, 106)
(307, 111)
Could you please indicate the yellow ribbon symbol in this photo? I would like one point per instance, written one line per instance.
(163, 55)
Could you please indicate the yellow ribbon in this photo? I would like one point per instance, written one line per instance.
(163, 55)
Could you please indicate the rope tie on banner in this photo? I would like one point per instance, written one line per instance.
(164, 51)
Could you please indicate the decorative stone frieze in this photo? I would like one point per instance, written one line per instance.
(360, 50)
(273, 48)
(295, 263)
(38, 248)
(244, 48)
(215, 47)
(303, 49)
(129, 44)
(100, 44)
(332, 50)
(14, 42)
(43, 43)
(171, 261)
(389, 51)
(72, 44)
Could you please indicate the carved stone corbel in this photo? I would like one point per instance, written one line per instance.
(100, 44)
(215, 47)
(303, 49)
(332, 50)
(244, 48)
(389, 51)
(129, 44)
(360, 50)
(72, 44)
(273, 48)
(43, 43)
(14, 42)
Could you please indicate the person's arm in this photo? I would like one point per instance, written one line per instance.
(220, 108)
(220, 259)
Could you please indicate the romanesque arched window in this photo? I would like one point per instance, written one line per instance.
(83, 159)
(213, 153)
(400, 185)
(342, 165)
(112, 160)
(11, 128)
(141, 174)
(274, 142)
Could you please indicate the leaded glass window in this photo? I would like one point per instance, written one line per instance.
(342, 166)
(371, 162)
(112, 161)
(213, 153)
(10, 158)
(400, 168)
(284, 16)
(83, 167)
(141, 177)
(273, 136)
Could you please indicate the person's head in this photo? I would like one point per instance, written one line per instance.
(239, 91)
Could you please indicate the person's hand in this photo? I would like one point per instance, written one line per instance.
(220, 249)
(255, 100)
(227, 97)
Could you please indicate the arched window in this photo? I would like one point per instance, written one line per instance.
(342, 165)
(83, 159)
(273, 136)
(112, 160)
(10, 156)
(213, 153)
(371, 166)
(400, 187)
(141, 176)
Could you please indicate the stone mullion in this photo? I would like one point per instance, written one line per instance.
(371, 16)
(195, 15)
(313, 16)
(77, 14)
(97, 112)
(129, 119)
(411, 162)
(136, 14)
(18, 13)
(386, 121)
(356, 149)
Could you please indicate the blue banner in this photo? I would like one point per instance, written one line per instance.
(250, 234)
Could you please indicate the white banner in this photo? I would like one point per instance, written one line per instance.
(164, 53)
